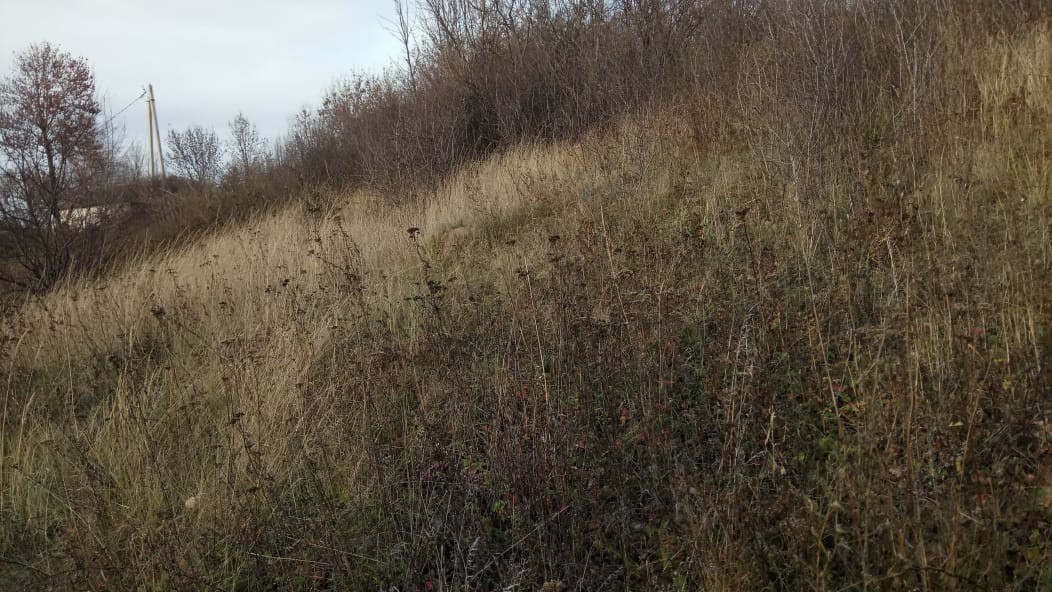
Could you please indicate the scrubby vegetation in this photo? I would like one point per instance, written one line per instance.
(781, 324)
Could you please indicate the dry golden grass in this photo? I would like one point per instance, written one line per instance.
(244, 314)
(231, 273)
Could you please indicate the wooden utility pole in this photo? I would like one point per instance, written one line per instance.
(149, 124)
(151, 116)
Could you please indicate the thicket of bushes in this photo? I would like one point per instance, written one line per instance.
(809, 75)
(816, 86)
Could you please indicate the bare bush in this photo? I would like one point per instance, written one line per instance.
(197, 154)
(248, 150)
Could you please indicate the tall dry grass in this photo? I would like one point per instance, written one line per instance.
(129, 371)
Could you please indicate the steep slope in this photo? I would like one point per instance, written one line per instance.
(633, 362)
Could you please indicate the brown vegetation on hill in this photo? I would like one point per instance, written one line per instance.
(781, 324)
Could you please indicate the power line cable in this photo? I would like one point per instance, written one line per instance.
(128, 106)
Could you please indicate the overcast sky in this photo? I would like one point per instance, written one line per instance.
(208, 59)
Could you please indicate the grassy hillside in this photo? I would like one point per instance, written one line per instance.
(656, 358)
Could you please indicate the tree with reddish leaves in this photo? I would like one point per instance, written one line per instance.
(50, 144)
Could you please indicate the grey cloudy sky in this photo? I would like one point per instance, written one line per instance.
(208, 59)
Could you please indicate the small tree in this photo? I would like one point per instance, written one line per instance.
(247, 148)
(196, 153)
(49, 147)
